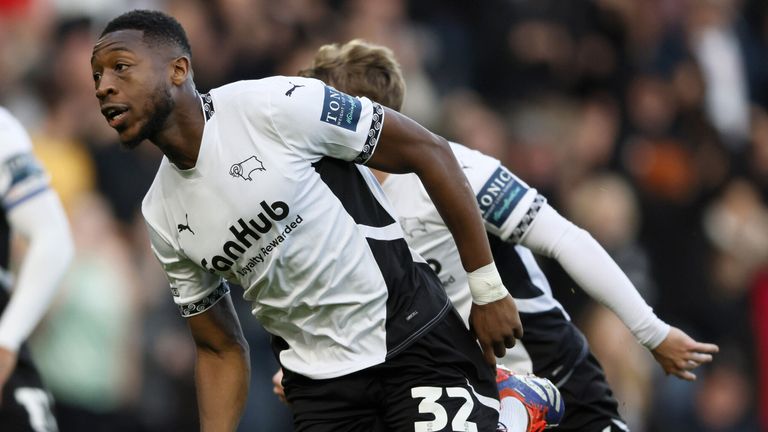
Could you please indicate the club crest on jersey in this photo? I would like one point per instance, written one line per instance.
(413, 225)
(245, 168)
(499, 196)
(341, 109)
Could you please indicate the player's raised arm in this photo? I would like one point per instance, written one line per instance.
(222, 368)
(405, 146)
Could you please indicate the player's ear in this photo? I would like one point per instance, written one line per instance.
(181, 70)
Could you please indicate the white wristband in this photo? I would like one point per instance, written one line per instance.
(485, 285)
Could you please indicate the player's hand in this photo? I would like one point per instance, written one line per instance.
(7, 365)
(679, 354)
(277, 383)
(496, 326)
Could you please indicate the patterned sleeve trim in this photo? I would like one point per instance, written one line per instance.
(373, 135)
(207, 102)
(204, 304)
(527, 219)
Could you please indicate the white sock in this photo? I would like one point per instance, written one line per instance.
(513, 415)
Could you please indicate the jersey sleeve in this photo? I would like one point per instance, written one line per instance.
(21, 175)
(194, 290)
(317, 120)
(508, 205)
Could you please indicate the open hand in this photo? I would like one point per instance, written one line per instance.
(679, 354)
(496, 326)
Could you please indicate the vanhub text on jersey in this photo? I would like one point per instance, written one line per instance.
(246, 232)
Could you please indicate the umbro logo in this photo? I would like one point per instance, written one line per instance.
(245, 168)
(182, 227)
(290, 91)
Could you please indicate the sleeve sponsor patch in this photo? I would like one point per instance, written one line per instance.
(499, 196)
(23, 177)
(341, 109)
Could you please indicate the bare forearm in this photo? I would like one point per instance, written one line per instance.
(405, 146)
(222, 387)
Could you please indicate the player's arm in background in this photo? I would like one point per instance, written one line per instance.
(222, 362)
(539, 227)
(34, 211)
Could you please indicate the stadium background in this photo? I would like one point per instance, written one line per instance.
(644, 121)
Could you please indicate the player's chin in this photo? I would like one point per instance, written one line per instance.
(129, 138)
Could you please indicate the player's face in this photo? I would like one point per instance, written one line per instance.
(133, 85)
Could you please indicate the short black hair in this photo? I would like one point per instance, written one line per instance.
(157, 27)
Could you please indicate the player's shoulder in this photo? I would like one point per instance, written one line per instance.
(13, 137)
(477, 167)
(286, 86)
(472, 157)
(267, 95)
(154, 202)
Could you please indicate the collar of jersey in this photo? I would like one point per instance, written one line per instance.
(190, 173)
(206, 103)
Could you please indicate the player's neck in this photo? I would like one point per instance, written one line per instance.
(180, 139)
(380, 175)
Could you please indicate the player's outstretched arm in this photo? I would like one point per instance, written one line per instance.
(41, 220)
(222, 369)
(405, 146)
(679, 354)
(585, 260)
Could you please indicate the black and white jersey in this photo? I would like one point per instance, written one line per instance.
(21, 178)
(551, 345)
(277, 204)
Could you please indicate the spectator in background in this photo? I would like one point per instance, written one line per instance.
(87, 349)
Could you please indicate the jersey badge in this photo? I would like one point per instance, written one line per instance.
(412, 225)
(245, 169)
(341, 109)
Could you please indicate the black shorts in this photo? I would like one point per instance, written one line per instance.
(27, 406)
(441, 380)
(589, 402)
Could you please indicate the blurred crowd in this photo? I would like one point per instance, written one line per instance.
(643, 121)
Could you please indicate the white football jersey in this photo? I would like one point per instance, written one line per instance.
(508, 206)
(277, 205)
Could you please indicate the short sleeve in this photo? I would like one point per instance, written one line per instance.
(21, 178)
(317, 120)
(21, 175)
(193, 289)
(508, 205)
